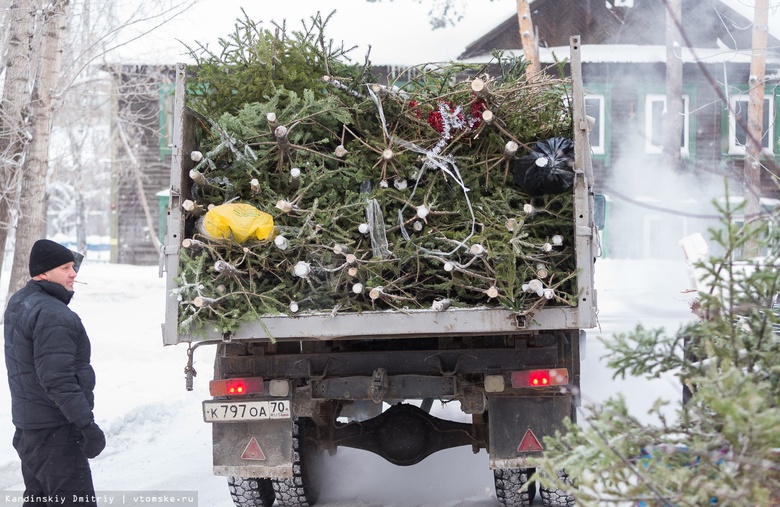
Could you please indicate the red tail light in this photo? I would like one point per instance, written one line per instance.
(236, 386)
(540, 378)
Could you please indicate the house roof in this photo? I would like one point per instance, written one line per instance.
(630, 53)
(719, 33)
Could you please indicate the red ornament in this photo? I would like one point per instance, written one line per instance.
(435, 120)
(459, 121)
(477, 107)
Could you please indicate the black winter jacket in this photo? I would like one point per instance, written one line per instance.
(47, 354)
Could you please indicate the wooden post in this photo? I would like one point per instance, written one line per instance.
(528, 38)
(755, 118)
(674, 79)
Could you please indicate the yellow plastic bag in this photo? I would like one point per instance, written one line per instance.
(239, 221)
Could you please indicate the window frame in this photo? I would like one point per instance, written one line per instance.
(602, 91)
(733, 148)
(600, 148)
(688, 141)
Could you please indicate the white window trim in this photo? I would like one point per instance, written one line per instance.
(739, 149)
(600, 149)
(649, 146)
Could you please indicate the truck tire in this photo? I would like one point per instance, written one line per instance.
(253, 492)
(303, 488)
(556, 497)
(509, 482)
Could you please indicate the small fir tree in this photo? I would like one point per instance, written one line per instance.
(723, 446)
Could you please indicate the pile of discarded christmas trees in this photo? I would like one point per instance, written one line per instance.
(321, 187)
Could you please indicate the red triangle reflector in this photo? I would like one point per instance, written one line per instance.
(529, 443)
(253, 451)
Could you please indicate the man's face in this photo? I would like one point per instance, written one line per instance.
(64, 275)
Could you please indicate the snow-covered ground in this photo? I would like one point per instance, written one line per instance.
(157, 441)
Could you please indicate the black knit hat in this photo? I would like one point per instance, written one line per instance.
(46, 255)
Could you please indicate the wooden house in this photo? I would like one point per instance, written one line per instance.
(141, 161)
(650, 206)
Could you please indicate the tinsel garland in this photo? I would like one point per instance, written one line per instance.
(393, 196)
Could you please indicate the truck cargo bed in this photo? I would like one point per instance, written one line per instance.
(400, 322)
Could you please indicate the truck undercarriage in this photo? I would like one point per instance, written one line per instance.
(357, 393)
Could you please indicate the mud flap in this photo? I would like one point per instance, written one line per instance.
(517, 426)
(256, 449)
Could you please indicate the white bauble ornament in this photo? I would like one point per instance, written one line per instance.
(281, 242)
(302, 269)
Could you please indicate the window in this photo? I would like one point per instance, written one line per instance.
(166, 100)
(655, 125)
(738, 114)
(597, 105)
(594, 107)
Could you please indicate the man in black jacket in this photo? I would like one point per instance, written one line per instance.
(47, 354)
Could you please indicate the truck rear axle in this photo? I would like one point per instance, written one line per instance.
(405, 435)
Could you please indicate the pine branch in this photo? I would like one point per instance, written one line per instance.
(381, 196)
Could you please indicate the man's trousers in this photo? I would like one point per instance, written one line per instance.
(54, 467)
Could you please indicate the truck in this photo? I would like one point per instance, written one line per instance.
(288, 388)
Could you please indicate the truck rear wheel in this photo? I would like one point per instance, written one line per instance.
(556, 497)
(509, 482)
(303, 488)
(253, 492)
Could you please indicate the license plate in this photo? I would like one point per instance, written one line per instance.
(230, 411)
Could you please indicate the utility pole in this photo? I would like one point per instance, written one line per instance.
(755, 121)
(528, 38)
(674, 77)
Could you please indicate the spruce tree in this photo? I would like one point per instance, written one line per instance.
(723, 446)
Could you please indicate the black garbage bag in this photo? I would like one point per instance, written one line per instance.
(548, 169)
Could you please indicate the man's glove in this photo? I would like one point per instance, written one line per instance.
(94, 440)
